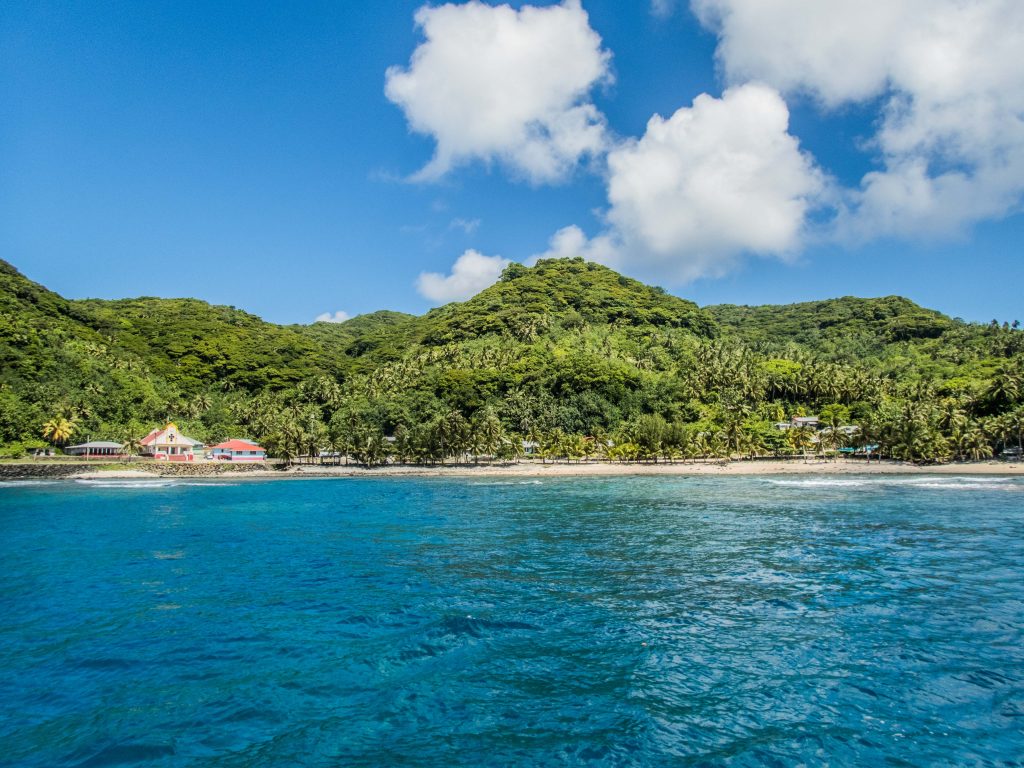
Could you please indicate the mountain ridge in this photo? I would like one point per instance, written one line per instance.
(565, 345)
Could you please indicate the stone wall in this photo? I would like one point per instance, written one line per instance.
(56, 470)
(207, 469)
(38, 471)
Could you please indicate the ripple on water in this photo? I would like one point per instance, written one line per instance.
(888, 482)
(608, 621)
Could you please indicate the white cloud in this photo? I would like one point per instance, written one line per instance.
(663, 8)
(471, 273)
(469, 226)
(497, 84)
(836, 50)
(714, 181)
(336, 317)
(950, 76)
(571, 241)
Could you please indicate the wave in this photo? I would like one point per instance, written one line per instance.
(511, 482)
(950, 486)
(958, 479)
(23, 483)
(951, 483)
(134, 484)
(822, 483)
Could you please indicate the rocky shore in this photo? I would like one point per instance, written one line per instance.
(39, 471)
(532, 469)
(67, 470)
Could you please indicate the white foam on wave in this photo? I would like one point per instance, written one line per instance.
(951, 483)
(952, 486)
(822, 483)
(133, 484)
(23, 483)
(508, 483)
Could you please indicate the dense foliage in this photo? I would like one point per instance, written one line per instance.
(567, 355)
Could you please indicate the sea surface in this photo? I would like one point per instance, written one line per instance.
(433, 622)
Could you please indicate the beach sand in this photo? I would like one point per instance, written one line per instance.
(536, 469)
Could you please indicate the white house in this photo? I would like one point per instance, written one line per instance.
(95, 448)
(238, 450)
(169, 443)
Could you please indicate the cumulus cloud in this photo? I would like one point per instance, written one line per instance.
(492, 83)
(949, 75)
(471, 273)
(469, 226)
(571, 241)
(336, 317)
(663, 8)
(714, 181)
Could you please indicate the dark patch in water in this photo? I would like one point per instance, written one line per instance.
(123, 754)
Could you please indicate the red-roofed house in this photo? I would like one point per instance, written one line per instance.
(238, 450)
(168, 443)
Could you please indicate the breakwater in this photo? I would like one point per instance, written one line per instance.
(61, 470)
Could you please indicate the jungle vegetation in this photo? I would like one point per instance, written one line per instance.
(567, 354)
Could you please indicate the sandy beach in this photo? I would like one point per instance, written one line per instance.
(528, 469)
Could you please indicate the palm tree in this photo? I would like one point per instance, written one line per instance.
(511, 448)
(574, 447)
(914, 435)
(733, 433)
(198, 405)
(486, 431)
(754, 444)
(801, 438)
(1014, 423)
(370, 448)
(453, 433)
(1006, 386)
(403, 443)
(132, 444)
(702, 445)
(975, 445)
(59, 430)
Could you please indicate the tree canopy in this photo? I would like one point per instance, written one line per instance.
(566, 354)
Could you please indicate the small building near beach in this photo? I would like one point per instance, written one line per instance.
(96, 448)
(170, 444)
(798, 422)
(238, 450)
(805, 421)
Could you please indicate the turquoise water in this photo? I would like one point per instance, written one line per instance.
(642, 621)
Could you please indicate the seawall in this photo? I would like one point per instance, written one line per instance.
(61, 470)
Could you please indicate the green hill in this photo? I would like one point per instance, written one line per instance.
(559, 351)
(560, 293)
(34, 324)
(861, 326)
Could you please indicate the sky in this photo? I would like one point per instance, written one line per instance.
(320, 160)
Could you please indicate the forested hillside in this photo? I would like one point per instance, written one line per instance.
(567, 354)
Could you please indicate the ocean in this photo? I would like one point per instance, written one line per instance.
(647, 621)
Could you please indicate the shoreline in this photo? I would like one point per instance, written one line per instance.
(526, 469)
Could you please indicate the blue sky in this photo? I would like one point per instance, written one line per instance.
(261, 155)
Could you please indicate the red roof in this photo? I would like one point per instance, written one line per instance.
(237, 445)
(151, 436)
